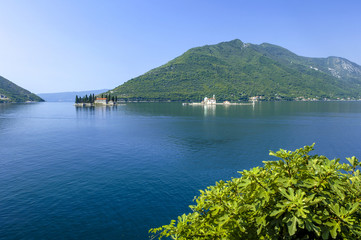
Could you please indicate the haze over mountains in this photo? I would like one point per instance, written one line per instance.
(67, 96)
(10, 92)
(236, 71)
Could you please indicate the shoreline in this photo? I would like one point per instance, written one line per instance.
(193, 103)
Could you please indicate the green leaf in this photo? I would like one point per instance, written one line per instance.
(335, 228)
(325, 233)
(292, 227)
(354, 208)
(277, 212)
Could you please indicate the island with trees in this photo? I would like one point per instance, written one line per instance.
(91, 100)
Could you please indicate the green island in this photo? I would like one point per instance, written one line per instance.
(300, 196)
(12, 93)
(92, 100)
(235, 71)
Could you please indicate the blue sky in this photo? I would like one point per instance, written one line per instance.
(66, 45)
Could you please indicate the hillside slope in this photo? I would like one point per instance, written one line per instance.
(11, 92)
(236, 71)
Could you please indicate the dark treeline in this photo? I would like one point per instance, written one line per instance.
(85, 99)
(91, 98)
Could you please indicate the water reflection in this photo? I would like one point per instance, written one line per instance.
(98, 111)
(209, 110)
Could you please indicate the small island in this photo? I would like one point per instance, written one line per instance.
(92, 100)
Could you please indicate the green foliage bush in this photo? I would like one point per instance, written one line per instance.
(300, 196)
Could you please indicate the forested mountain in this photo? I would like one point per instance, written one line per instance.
(236, 71)
(10, 92)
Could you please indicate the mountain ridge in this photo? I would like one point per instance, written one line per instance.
(236, 70)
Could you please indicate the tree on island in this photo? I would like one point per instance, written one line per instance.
(300, 196)
(85, 99)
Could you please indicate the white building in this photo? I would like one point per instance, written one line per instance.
(256, 98)
(3, 97)
(209, 101)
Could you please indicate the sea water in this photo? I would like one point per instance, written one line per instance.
(116, 172)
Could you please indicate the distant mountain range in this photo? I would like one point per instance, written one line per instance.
(236, 71)
(10, 92)
(68, 96)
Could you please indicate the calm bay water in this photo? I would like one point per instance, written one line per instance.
(113, 173)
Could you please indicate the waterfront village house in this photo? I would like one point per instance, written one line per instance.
(100, 101)
(209, 101)
(3, 96)
(256, 98)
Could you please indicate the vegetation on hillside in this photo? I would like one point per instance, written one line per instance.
(236, 71)
(14, 93)
(300, 196)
